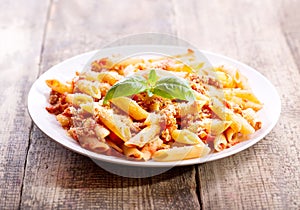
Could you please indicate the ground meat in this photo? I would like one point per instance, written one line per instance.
(166, 135)
(150, 104)
(83, 127)
(197, 83)
(170, 122)
(58, 103)
(53, 99)
(206, 112)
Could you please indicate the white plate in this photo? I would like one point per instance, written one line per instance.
(39, 93)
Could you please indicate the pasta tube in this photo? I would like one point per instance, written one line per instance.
(109, 77)
(245, 103)
(250, 115)
(225, 79)
(58, 86)
(215, 126)
(144, 136)
(220, 142)
(90, 88)
(231, 136)
(182, 153)
(226, 114)
(114, 123)
(92, 143)
(78, 99)
(185, 136)
(200, 96)
(245, 94)
(131, 107)
(133, 152)
(101, 131)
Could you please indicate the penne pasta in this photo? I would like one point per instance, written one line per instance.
(180, 67)
(89, 107)
(250, 115)
(58, 86)
(225, 79)
(114, 123)
(101, 132)
(190, 108)
(246, 127)
(185, 136)
(114, 146)
(226, 114)
(92, 143)
(215, 126)
(78, 99)
(240, 80)
(131, 107)
(90, 88)
(200, 96)
(133, 152)
(245, 104)
(152, 146)
(244, 94)
(128, 61)
(63, 120)
(152, 119)
(144, 136)
(109, 77)
(231, 136)
(181, 153)
(220, 142)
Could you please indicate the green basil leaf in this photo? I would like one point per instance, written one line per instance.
(126, 87)
(173, 80)
(152, 77)
(174, 87)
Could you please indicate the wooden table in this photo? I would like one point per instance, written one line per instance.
(37, 173)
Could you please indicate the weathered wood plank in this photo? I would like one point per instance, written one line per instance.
(265, 176)
(21, 35)
(290, 23)
(58, 178)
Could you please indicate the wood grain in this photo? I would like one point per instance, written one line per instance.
(58, 178)
(20, 40)
(263, 176)
(290, 24)
(37, 173)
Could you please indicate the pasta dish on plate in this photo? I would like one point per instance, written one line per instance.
(165, 108)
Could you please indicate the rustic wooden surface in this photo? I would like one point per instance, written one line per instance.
(37, 173)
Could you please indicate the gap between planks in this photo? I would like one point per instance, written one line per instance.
(39, 71)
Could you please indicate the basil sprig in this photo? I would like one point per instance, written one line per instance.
(170, 87)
